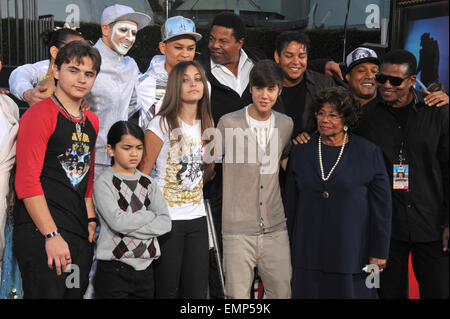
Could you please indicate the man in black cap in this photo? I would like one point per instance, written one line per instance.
(362, 65)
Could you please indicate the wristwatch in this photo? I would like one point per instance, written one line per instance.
(52, 234)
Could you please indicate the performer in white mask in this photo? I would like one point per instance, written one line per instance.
(113, 97)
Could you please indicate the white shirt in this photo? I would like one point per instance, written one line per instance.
(4, 129)
(179, 174)
(26, 77)
(113, 96)
(261, 129)
(226, 77)
(9, 126)
(151, 89)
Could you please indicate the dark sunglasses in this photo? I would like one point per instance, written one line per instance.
(394, 80)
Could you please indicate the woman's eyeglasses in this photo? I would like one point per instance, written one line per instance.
(394, 80)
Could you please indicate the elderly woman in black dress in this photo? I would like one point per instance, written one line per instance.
(338, 205)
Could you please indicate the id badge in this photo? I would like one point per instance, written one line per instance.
(401, 173)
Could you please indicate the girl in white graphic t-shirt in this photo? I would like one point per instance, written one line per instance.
(174, 142)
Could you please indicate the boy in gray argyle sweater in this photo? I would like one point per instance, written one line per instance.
(132, 213)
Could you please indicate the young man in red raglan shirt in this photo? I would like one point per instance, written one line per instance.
(54, 217)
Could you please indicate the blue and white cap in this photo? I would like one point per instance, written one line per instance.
(176, 26)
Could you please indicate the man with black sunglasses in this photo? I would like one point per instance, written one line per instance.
(362, 69)
(415, 141)
(395, 80)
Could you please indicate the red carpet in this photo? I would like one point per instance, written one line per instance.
(413, 286)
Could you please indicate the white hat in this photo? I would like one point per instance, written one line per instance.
(176, 26)
(361, 55)
(120, 12)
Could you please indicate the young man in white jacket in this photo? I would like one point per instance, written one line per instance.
(178, 43)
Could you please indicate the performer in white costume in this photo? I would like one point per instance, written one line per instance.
(113, 97)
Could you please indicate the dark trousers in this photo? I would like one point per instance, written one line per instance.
(116, 280)
(430, 265)
(39, 281)
(182, 269)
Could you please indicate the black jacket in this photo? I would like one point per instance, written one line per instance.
(223, 99)
(315, 82)
(419, 212)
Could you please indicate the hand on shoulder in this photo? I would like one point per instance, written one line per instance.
(302, 138)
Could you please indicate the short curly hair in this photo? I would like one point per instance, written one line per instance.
(343, 102)
(230, 20)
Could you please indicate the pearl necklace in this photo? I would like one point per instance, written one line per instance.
(337, 161)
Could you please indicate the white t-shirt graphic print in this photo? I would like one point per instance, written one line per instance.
(178, 169)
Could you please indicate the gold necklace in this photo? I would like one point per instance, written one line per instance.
(335, 164)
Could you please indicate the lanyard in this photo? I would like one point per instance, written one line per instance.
(404, 127)
(401, 156)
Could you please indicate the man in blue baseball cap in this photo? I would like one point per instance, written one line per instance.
(178, 43)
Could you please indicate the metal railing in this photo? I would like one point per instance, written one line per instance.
(20, 30)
